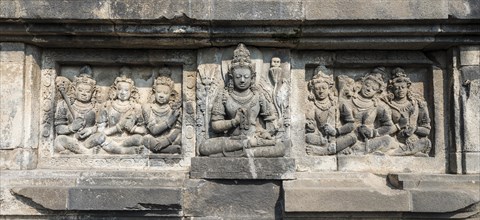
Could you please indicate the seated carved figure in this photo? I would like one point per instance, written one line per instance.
(237, 114)
(75, 120)
(372, 117)
(163, 119)
(410, 116)
(322, 136)
(120, 119)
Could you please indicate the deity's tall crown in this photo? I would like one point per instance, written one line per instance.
(241, 57)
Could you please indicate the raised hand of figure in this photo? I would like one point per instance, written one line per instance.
(239, 114)
(77, 124)
(129, 123)
(328, 129)
(408, 131)
(265, 135)
(403, 122)
(85, 132)
(173, 118)
(310, 126)
(365, 132)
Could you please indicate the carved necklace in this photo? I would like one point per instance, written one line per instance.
(122, 107)
(323, 104)
(82, 108)
(402, 106)
(160, 111)
(242, 100)
(363, 104)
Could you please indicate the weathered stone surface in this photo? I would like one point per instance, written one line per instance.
(337, 192)
(464, 9)
(439, 200)
(12, 63)
(470, 56)
(242, 168)
(103, 198)
(376, 9)
(244, 10)
(440, 192)
(411, 193)
(244, 199)
(18, 159)
(384, 165)
(53, 198)
(47, 191)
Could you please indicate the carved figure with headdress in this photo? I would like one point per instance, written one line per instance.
(121, 118)
(372, 117)
(244, 120)
(163, 118)
(75, 115)
(410, 116)
(323, 137)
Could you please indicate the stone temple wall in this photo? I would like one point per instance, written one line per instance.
(239, 109)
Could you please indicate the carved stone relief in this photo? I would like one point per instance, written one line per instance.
(240, 116)
(90, 119)
(368, 116)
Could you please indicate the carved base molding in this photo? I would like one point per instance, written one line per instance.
(243, 168)
(77, 194)
(365, 195)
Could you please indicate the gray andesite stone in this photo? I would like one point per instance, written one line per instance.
(339, 192)
(46, 191)
(115, 198)
(232, 199)
(242, 168)
(439, 192)
(363, 192)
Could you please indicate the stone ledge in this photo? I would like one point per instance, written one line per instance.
(242, 168)
(244, 10)
(401, 193)
(102, 198)
(343, 193)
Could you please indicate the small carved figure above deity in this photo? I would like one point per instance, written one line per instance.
(322, 133)
(372, 117)
(410, 116)
(75, 117)
(120, 119)
(281, 91)
(242, 117)
(163, 118)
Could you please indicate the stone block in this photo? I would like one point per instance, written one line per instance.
(375, 9)
(343, 192)
(257, 10)
(472, 162)
(52, 198)
(464, 9)
(470, 55)
(435, 193)
(443, 200)
(148, 9)
(242, 168)
(388, 164)
(56, 9)
(131, 198)
(239, 199)
(18, 159)
(430, 181)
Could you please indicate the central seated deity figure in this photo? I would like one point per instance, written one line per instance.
(242, 116)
